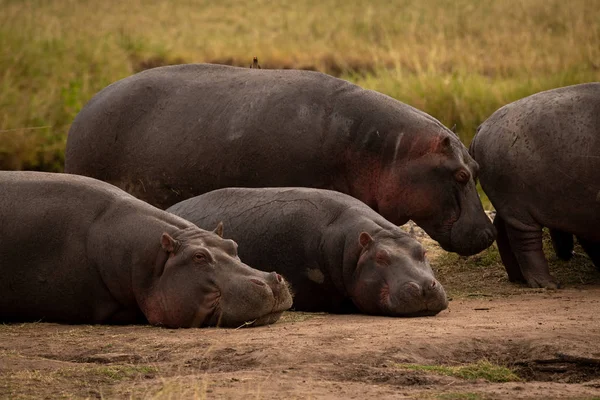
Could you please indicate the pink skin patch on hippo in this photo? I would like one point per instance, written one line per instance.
(362, 179)
(384, 295)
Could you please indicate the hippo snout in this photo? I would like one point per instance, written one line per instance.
(467, 243)
(275, 290)
(419, 299)
(276, 283)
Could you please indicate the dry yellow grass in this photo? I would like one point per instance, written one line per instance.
(458, 60)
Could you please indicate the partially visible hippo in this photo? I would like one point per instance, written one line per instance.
(337, 253)
(540, 167)
(171, 133)
(77, 250)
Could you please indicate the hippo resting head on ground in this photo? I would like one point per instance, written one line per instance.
(202, 282)
(337, 253)
(393, 277)
(78, 250)
(175, 132)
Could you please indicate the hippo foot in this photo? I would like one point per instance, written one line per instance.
(545, 281)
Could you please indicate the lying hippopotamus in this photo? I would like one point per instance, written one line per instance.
(540, 167)
(78, 250)
(171, 133)
(337, 253)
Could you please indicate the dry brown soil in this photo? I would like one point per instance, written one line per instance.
(550, 339)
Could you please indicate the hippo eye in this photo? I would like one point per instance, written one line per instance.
(200, 258)
(382, 257)
(462, 176)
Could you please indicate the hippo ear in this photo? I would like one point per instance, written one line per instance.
(168, 243)
(444, 144)
(219, 229)
(365, 239)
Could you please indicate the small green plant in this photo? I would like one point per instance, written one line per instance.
(459, 396)
(482, 369)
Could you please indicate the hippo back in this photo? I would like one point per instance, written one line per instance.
(539, 157)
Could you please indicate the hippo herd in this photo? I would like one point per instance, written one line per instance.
(206, 195)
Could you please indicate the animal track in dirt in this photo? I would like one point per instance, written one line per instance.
(563, 368)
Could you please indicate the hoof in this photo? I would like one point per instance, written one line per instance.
(547, 282)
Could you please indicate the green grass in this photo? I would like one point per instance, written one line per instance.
(484, 274)
(459, 396)
(458, 60)
(480, 370)
(298, 316)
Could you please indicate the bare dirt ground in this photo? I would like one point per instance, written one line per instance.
(550, 340)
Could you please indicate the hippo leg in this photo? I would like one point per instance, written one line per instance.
(562, 243)
(506, 254)
(527, 247)
(592, 249)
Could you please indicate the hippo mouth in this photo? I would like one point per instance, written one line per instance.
(414, 301)
(281, 304)
(267, 319)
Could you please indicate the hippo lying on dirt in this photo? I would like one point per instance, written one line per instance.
(540, 167)
(171, 133)
(337, 253)
(78, 250)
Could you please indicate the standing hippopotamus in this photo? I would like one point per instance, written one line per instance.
(337, 253)
(77, 250)
(540, 167)
(171, 133)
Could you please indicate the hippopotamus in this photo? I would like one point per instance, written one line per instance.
(78, 250)
(171, 133)
(337, 253)
(540, 167)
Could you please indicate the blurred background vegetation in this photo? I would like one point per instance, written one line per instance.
(458, 60)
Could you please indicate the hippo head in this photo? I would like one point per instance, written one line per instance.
(199, 280)
(434, 184)
(393, 278)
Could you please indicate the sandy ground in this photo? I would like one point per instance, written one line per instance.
(550, 339)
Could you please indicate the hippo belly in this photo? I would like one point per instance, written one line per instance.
(540, 167)
(78, 250)
(338, 254)
(171, 133)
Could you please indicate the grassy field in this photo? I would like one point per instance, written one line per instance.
(458, 60)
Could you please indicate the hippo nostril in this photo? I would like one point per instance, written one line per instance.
(278, 278)
(432, 285)
(258, 282)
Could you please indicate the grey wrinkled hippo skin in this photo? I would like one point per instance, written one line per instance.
(78, 250)
(171, 133)
(540, 167)
(337, 253)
